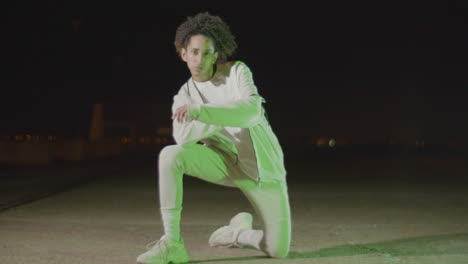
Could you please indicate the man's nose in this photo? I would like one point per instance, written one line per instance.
(200, 59)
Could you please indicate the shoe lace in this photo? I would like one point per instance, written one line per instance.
(150, 245)
(161, 247)
(157, 244)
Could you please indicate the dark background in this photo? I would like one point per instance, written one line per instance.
(367, 72)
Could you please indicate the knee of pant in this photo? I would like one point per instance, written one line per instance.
(281, 252)
(170, 154)
(278, 247)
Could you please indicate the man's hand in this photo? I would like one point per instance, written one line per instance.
(181, 113)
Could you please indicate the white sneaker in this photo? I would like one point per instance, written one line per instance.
(226, 236)
(164, 251)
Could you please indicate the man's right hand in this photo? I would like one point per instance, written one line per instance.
(181, 113)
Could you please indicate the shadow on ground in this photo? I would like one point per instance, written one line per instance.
(415, 246)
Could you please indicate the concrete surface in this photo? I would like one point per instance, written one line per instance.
(335, 219)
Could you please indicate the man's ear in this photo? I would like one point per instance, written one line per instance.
(183, 54)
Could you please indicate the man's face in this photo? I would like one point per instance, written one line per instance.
(200, 56)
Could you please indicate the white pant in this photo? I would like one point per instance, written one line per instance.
(270, 201)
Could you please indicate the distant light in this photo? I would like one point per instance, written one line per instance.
(160, 131)
(331, 143)
(144, 140)
(322, 142)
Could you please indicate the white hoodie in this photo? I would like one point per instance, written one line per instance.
(237, 126)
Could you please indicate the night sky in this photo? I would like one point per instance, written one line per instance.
(368, 72)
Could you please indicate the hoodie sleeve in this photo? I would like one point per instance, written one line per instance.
(244, 112)
(189, 131)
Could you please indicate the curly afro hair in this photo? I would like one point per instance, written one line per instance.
(209, 26)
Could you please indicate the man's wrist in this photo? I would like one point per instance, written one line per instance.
(193, 110)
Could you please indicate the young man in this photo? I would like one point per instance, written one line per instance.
(220, 107)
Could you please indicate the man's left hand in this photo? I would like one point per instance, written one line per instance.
(181, 113)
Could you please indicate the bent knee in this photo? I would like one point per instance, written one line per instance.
(170, 155)
(275, 250)
(170, 151)
(278, 253)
